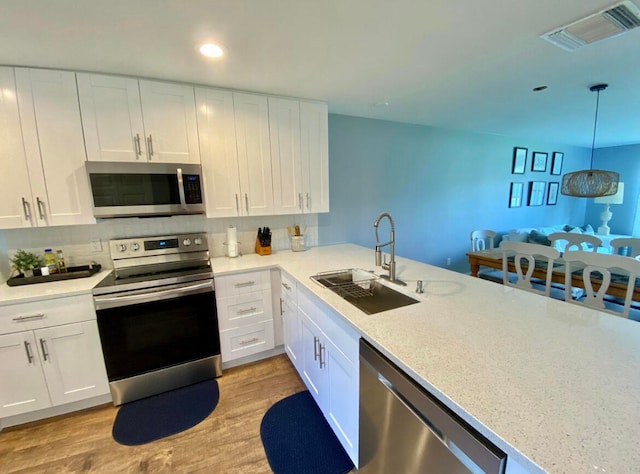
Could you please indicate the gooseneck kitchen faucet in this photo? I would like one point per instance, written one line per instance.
(391, 266)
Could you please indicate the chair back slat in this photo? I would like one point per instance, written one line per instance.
(527, 253)
(576, 241)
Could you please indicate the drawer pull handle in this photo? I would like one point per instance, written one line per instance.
(244, 284)
(281, 309)
(20, 319)
(237, 205)
(150, 145)
(316, 343)
(245, 311)
(26, 207)
(322, 361)
(138, 147)
(249, 341)
(43, 345)
(286, 287)
(27, 347)
(41, 208)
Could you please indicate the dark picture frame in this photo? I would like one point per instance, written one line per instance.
(552, 193)
(536, 193)
(519, 160)
(515, 194)
(539, 161)
(556, 162)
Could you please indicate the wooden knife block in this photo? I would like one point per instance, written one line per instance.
(260, 250)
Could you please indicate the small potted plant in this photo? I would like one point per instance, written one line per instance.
(25, 262)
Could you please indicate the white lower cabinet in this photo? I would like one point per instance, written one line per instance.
(327, 360)
(42, 366)
(245, 314)
(290, 319)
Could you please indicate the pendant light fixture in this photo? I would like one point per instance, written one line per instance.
(591, 183)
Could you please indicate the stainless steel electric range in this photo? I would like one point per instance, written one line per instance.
(157, 315)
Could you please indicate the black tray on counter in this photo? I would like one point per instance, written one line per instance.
(82, 271)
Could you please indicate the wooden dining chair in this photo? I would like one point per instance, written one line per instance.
(597, 271)
(575, 241)
(620, 246)
(482, 240)
(526, 253)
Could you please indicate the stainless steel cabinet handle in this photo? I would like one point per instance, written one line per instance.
(316, 343)
(308, 206)
(281, 310)
(249, 341)
(29, 318)
(244, 284)
(150, 145)
(138, 147)
(287, 287)
(237, 204)
(27, 347)
(43, 345)
(246, 202)
(300, 201)
(27, 209)
(245, 311)
(41, 209)
(183, 200)
(321, 351)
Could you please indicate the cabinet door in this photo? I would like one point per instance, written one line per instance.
(111, 118)
(54, 146)
(23, 387)
(254, 154)
(169, 114)
(72, 361)
(314, 376)
(284, 130)
(291, 331)
(314, 150)
(217, 135)
(15, 190)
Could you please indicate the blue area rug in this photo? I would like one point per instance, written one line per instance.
(297, 439)
(165, 414)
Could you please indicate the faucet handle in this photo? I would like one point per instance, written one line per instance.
(419, 287)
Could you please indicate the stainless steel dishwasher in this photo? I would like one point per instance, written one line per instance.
(405, 429)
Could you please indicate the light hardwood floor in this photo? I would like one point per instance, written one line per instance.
(228, 441)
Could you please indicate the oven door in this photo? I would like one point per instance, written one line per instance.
(146, 330)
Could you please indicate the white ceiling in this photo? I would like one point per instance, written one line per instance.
(464, 64)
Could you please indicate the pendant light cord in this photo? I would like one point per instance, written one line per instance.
(596, 88)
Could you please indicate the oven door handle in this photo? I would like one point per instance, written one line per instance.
(104, 302)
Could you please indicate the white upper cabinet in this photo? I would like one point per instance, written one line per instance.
(217, 132)
(284, 130)
(54, 148)
(15, 188)
(129, 120)
(314, 152)
(254, 154)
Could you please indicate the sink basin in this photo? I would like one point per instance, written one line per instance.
(363, 290)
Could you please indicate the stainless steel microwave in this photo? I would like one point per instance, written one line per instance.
(122, 189)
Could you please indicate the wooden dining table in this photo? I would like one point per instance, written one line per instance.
(493, 259)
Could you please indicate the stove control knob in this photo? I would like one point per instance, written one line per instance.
(121, 247)
(197, 241)
(135, 246)
(186, 242)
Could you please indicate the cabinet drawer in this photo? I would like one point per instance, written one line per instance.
(45, 313)
(244, 310)
(247, 282)
(241, 342)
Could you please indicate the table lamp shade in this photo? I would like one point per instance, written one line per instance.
(616, 198)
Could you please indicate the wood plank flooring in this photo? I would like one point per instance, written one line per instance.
(228, 441)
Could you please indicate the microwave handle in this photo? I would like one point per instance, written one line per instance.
(183, 201)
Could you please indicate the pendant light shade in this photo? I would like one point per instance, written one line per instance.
(591, 183)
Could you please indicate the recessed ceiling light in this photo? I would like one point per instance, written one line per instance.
(211, 50)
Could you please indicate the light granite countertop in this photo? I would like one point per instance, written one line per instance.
(554, 385)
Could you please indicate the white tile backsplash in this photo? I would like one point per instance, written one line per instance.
(77, 242)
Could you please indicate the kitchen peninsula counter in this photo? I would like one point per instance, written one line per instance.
(554, 385)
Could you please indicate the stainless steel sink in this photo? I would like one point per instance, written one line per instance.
(363, 290)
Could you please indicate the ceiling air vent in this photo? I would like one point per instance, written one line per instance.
(613, 21)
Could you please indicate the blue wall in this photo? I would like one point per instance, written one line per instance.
(438, 185)
(626, 161)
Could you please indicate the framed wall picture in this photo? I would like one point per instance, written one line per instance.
(515, 195)
(536, 193)
(519, 160)
(556, 162)
(539, 161)
(552, 194)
